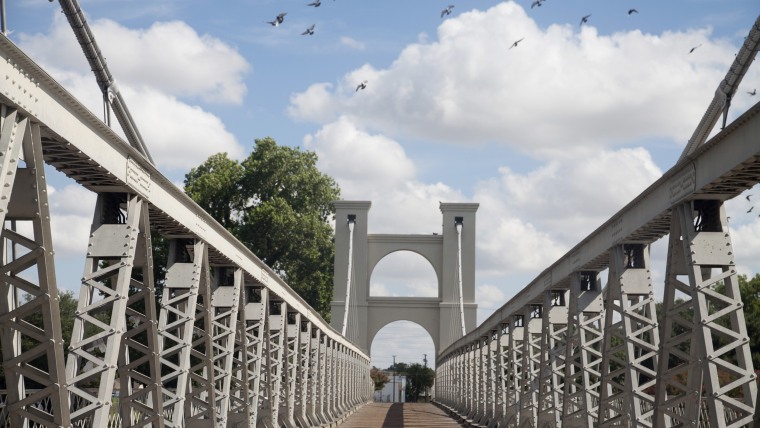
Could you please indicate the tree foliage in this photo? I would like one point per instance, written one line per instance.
(279, 205)
(419, 378)
(379, 378)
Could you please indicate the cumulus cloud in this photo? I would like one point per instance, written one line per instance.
(561, 86)
(178, 135)
(528, 220)
(173, 57)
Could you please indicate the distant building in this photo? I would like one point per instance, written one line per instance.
(395, 383)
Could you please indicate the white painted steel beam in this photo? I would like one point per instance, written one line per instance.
(24, 296)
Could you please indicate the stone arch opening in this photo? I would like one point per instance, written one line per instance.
(408, 341)
(404, 273)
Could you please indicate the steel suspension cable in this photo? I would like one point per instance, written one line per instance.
(459, 274)
(351, 223)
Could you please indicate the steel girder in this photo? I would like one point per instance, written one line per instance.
(553, 344)
(186, 277)
(704, 367)
(583, 361)
(531, 365)
(103, 336)
(225, 302)
(30, 323)
(631, 343)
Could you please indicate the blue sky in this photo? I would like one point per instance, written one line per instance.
(551, 137)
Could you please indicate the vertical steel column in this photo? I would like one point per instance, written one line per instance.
(184, 275)
(501, 372)
(314, 401)
(200, 407)
(516, 376)
(246, 399)
(26, 198)
(553, 345)
(531, 365)
(492, 376)
(225, 302)
(141, 393)
(479, 363)
(631, 341)
(99, 325)
(583, 361)
(331, 390)
(275, 355)
(303, 385)
(323, 379)
(290, 372)
(705, 343)
(471, 370)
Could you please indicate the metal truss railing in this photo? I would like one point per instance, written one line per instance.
(228, 345)
(603, 357)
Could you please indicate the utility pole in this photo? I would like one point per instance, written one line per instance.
(394, 379)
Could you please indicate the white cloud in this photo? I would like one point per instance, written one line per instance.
(178, 135)
(173, 57)
(560, 87)
(528, 220)
(71, 211)
(352, 43)
(489, 296)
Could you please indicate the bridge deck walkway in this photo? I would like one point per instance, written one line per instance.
(399, 415)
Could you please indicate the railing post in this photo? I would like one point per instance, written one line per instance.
(515, 361)
(96, 345)
(553, 345)
(705, 346)
(583, 361)
(631, 341)
(303, 384)
(23, 197)
(531, 365)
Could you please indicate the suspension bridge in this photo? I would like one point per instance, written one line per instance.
(230, 344)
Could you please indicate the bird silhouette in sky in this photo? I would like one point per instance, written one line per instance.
(694, 48)
(278, 20)
(747, 197)
(753, 93)
(632, 11)
(584, 19)
(361, 86)
(514, 45)
(750, 209)
(309, 31)
(316, 3)
(536, 3)
(447, 11)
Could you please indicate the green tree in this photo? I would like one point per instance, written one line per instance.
(419, 379)
(279, 205)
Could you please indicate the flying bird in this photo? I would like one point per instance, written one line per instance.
(748, 196)
(750, 209)
(447, 11)
(278, 20)
(514, 45)
(584, 19)
(316, 3)
(309, 31)
(753, 93)
(536, 3)
(694, 48)
(361, 86)
(632, 11)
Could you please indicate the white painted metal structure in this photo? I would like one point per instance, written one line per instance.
(229, 343)
(451, 254)
(601, 357)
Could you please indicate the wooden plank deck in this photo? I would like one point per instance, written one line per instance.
(399, 415)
